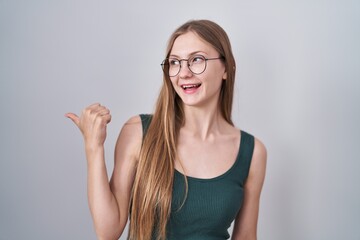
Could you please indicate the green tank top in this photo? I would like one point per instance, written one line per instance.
(211, 204)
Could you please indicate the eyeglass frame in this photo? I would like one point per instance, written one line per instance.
(163, 64)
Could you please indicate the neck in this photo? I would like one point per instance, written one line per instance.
(204, 123)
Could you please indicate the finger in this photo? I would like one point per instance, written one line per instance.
(103, 111)
(107, 118)
(96, 109)
(94, 106)
(103, 120)
(91, 108)
(74, 118)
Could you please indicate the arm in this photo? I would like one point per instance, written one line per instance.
(127, 152)
(108, 202)
(110, 214)
(245, 226)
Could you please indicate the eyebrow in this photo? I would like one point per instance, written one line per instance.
(191, 54)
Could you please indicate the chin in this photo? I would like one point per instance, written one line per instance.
(192, 103)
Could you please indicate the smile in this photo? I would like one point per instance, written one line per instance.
(190, 86)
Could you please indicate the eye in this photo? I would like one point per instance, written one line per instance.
(174, 62)
(197, 59)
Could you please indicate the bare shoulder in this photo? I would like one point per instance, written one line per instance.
(133, 122)
(128, 145)
(258, 166)
(130, 138)
(260, 152)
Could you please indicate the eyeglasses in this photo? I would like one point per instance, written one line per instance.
(196, 64)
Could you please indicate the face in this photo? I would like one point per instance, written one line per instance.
(202, 89)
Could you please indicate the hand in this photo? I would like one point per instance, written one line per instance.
(92, 124)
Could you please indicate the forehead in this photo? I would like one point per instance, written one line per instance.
(189, 43)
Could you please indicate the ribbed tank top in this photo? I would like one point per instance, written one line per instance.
(211, 204)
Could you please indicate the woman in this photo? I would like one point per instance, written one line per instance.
(185, 172)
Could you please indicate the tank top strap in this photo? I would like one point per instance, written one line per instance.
(145, 121)
(245, 155)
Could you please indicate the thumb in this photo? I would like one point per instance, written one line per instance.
(74, 118)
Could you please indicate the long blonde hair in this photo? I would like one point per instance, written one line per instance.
(152, 190)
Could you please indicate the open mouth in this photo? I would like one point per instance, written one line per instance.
(190, 86)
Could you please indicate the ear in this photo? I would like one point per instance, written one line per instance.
(224, 76)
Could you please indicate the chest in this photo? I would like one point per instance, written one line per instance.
(207, 159)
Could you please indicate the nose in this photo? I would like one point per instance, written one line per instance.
(185, 69)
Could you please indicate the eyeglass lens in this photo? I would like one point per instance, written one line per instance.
(196, 64)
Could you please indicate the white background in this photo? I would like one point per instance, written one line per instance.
(298, 90)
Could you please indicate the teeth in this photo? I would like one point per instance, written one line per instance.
(190, 86)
